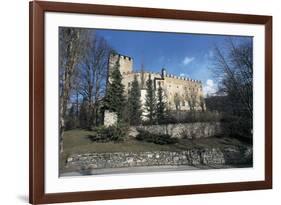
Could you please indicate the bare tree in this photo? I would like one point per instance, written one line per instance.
(202, 104)
(233, 66)
(93, 74)
(70, 51)
(177, 101)
(192, 99)
(234, 71)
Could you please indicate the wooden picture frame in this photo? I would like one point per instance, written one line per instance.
(37, 98)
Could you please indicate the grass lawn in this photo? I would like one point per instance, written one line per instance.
(78, 142)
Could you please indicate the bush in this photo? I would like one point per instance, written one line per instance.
(237, 127)
(155, 138)
(111, 133)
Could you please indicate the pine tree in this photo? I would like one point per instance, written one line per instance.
(150, 100)
(134, 103)
(161, 106)
(115, 99)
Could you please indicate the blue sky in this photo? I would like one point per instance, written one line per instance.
(188, 55)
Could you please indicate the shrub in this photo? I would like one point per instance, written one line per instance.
(111, 133)
(237, 127)
(155, 138)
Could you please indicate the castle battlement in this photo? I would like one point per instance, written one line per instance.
(181, 78)
(122, 56)
(165, 76)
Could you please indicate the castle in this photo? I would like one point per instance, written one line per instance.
(180, 93)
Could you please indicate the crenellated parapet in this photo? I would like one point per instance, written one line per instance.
(121, 56)
(181, 78)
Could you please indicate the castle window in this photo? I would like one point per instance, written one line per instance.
(129, 84)
(183, 103)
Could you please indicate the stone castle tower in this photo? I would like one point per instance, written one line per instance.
(125, 62)
(180, 93)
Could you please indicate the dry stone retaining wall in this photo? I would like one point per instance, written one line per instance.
(185, 130)
(193, 157)
(156, 158)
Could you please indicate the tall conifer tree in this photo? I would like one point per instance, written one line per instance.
(160, 105)
(134, 103)
(150, 100)
(115, 99)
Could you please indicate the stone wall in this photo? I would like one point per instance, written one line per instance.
(110, 118)
(185, 130)
(125, 63)
(156, 158)
(193, 157)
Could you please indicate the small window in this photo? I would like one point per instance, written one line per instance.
(129, 84)
(183, 103)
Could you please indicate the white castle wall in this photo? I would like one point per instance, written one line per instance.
(174, 87)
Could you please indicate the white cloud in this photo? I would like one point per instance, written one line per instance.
(210, 88)
(183, 75)
(187, 60)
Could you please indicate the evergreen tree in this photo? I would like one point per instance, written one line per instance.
(134, 103)
(150, 100)
(161, 111)
(115, 99)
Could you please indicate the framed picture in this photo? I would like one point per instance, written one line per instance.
(138, 102)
